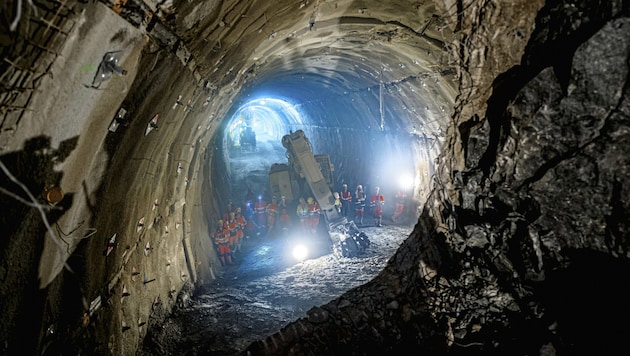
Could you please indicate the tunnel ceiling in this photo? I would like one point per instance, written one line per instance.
(337, 50)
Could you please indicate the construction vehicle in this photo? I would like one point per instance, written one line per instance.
(307, 174)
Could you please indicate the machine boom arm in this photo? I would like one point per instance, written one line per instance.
(301, 156)
(347, 240)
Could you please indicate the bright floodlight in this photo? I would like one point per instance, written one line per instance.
(406, 181)
(300, 252)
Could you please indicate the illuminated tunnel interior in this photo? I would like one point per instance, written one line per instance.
(374, 135)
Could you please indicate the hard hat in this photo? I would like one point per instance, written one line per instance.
(359, 186)
(231, 213)
(238, 210)
(309, 200)
(283, 197)
(220, 222)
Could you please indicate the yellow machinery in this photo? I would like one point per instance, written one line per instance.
(309, 175)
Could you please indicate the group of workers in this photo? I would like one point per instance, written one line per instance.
(259, 218)
(256, 217)
(345, 200)
(229, 234)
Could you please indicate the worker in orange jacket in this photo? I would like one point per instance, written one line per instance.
(232, 228)
(285, 219)
(272, 211)
(222, 242)
(400, 197)
(377, 200)
(260, 210)
(242, 224)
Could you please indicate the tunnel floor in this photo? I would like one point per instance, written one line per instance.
(264, 290)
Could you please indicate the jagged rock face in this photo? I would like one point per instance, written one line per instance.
(523, 244)
(539, 194)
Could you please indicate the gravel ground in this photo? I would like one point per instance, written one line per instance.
(265, 290)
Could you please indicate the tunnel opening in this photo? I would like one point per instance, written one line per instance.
(259, 120)
(251, 144)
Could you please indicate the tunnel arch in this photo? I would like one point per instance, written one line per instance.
(380, 109)
(361, 82)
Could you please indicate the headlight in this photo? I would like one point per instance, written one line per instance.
(300, 252)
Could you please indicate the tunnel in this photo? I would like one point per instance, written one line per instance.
(128, 126)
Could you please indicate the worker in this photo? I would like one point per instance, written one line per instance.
(272, 211)
(242, 226)
(346, 200)
(400, 205)
(229, 209)
(250, 217)
(359, 205)
(313, 215)
(302, 213)
(337, 204)
(260, 210)
(285, 219)
(250, 197)
(377, 200)
(222, 242)
(232, 228)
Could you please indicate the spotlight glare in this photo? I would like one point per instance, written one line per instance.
(406, 181)
(300, 252)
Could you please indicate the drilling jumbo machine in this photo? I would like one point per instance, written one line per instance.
(307, 175)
